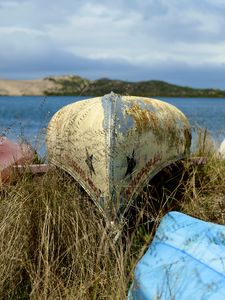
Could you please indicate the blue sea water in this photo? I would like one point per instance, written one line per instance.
(26, 117)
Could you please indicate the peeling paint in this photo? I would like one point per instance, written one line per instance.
(113, 144)
(143, 118)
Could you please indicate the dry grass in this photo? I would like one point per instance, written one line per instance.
(204, 195)
(54, 244)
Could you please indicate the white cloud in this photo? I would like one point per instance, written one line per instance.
(18, 30)
(141, 33)
(8, 3)
(96, 32)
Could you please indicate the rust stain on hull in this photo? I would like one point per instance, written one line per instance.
(143, 118)
(113, 144)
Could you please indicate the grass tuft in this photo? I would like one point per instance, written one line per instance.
(54, 243)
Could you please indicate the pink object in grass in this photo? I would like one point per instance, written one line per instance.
(12, 153)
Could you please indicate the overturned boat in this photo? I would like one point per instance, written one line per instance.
(113, 145)
(13, 154)
(184, 261)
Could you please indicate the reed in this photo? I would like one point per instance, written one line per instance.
(54, 243)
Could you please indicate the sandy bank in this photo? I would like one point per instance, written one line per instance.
(36, 87)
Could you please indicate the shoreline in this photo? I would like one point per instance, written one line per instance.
(78, 86)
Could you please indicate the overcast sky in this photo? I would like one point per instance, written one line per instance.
(179, 41)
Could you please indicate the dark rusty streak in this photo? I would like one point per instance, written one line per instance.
(131, 164)
(89, 162)
(142, 172)
(82, 174)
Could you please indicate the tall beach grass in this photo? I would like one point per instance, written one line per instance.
(54, 243)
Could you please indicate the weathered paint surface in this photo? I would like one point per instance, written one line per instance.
(112, 145)
(184, 261)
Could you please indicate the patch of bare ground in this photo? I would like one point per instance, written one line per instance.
(37, 87)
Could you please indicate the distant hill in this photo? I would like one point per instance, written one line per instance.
(36, 87)
(78, 86)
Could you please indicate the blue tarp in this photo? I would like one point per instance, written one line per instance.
(186, 260)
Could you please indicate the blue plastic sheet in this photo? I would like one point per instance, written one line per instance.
(186, 260)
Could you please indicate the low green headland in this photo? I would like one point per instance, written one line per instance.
(54, 243)
(78, 86)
